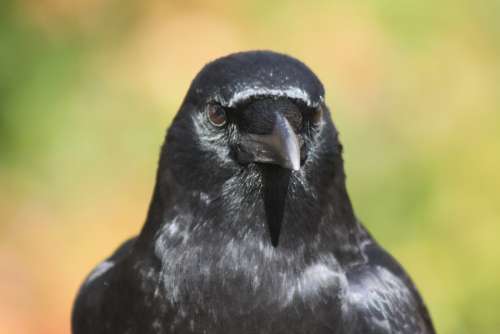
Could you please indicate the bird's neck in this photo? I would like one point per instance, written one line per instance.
(317, 217)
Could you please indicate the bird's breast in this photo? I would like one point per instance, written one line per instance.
(259, 288)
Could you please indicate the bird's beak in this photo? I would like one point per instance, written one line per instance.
(281, 147)
(279, 152)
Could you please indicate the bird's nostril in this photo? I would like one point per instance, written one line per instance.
(259, 116)
(294, 117)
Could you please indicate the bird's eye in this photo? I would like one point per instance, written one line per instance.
(216, 115)
(317, 115)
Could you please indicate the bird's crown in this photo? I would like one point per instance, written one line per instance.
(238, 77)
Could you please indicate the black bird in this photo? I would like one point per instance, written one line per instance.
(250, 228)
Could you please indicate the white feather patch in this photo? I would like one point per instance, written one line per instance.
(290, 92)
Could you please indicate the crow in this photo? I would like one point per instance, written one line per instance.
(250, 228)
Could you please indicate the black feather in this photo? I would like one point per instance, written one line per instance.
(203, 262)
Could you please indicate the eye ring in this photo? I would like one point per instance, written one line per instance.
(216, 115)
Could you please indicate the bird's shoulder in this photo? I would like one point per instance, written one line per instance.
(96, 295)
(109, 264)
(381, 294)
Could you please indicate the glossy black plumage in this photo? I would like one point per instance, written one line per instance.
(238, 241)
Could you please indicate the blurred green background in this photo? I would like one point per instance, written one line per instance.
(88, 87)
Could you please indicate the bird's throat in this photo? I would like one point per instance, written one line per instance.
(276, 180)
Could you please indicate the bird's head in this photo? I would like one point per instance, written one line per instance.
(253, 127)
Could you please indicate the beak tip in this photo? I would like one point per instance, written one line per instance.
(290, 142)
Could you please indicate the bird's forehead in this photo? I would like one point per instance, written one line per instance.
(236, 78)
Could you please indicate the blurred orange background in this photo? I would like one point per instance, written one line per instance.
(88, 88)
